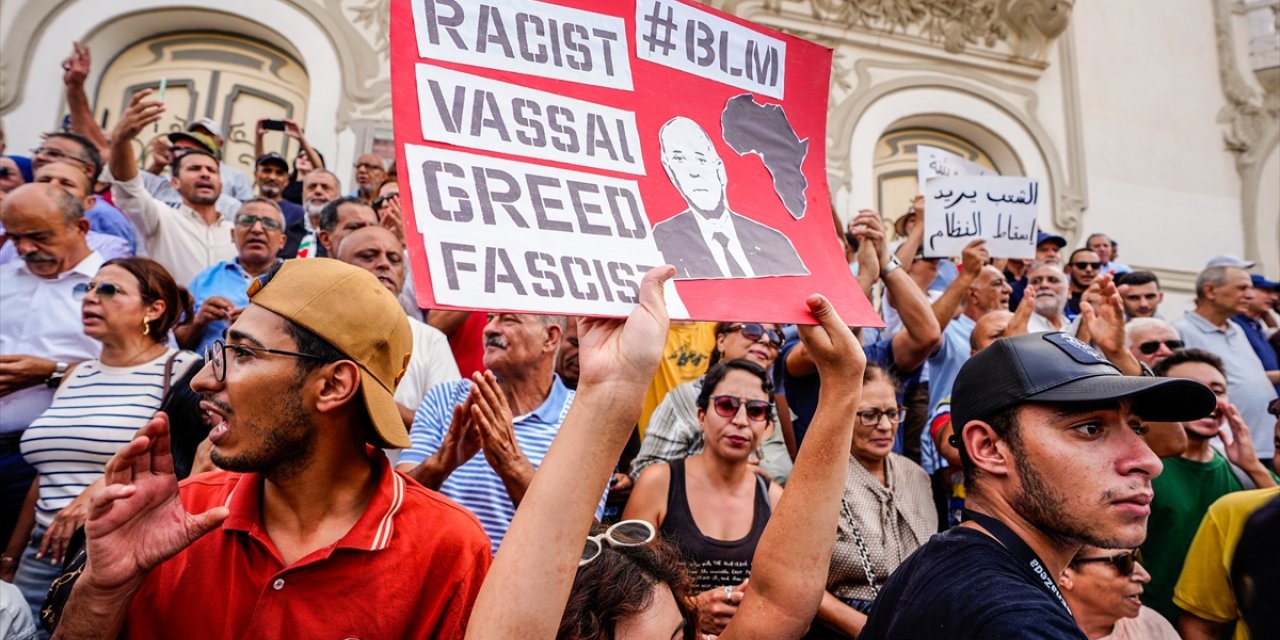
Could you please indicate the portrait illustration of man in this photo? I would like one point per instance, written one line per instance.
(709, 240)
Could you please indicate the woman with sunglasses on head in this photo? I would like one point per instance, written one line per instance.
(711, 505)
(1104, 589)
(129, 307)
(541, 555)
(886, 512)
(674, 430)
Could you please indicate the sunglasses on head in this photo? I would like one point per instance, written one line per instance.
(1148, 348)
(1124, 562)
(727, 407)
(754, 331)
(105, 290)
(1087, 265)
(628, 533)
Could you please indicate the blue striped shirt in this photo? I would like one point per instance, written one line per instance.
(475, 485)
(94, 413)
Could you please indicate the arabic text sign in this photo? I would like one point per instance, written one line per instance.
(1000, 210)
(932, 162)
(549, 165)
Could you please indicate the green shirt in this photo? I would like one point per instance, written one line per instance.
(1183, 493)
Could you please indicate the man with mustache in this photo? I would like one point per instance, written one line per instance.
(220, 291)
(271, 175)
(71, 179)
(190, 238)
(379, 252)
(41, 335)
(1050, 438)
(479, 441)
(1194, 480)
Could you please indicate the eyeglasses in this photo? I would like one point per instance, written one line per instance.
(754, 331)
(368, 166)
(872, 417)
(216, 355)
(1087, 265)
(105, 290)
(1124, 562)
(248, 220)
(56, 155)
(1148, 348)
(628, 533)
(727, 407)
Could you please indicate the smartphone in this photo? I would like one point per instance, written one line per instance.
(273, 125)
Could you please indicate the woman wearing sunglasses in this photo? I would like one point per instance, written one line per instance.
(712, 506)
(886, 512)
(537, 581)
(1104, 589)
(674, 430)
(129, 307)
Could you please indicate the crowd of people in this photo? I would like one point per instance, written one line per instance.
(1033, 449)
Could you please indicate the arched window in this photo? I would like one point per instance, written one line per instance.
(231, 79)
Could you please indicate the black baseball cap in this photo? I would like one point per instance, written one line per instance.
(272, 157)
(1057, 368)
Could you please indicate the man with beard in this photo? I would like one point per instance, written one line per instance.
(370, 173)
(379, 252)
(1050, 440)
(315, 533)
(190, 238)
(219, 291)
(1191, 482)
(1141, 292)
(271, 174)
(41, 335)
(1083, 268)
(480, 440)
(1047, 285)
(1221, 292)
(319, 188)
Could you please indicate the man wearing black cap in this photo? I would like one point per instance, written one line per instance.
(1050, 438)
(271, 174)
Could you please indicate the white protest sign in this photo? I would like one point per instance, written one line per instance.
(1000, 210)
(932, 162)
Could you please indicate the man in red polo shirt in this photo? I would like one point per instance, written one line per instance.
(308, 532)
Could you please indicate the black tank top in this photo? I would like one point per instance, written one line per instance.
(711, 563)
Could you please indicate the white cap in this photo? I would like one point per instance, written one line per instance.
(208, 125)
(1226, 260)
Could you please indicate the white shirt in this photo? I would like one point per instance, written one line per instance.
(431, 363)
(39, 317)
(723, 224)
(177, 238)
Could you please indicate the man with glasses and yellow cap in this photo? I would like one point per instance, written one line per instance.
(308, 532)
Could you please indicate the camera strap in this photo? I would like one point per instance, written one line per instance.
(1020, 551)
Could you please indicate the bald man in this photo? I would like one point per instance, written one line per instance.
(708, 240)
(379, 252)
(41, 335)
(72, 180)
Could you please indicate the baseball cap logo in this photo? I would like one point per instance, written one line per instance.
(1079, 351)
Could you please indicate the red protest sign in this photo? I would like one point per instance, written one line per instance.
(554, 151)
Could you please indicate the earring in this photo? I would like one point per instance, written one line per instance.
(146, 326)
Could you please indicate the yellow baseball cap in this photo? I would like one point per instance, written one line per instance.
(350, 309)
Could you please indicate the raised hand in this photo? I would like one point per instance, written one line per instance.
(832, 345)
(1021, 319)
(493, 419)
(462, 441)
(1103, 317)
(612, 351)
(76, 67)
(137, 521)
(140, 113)
(869, 228)
(975, 257)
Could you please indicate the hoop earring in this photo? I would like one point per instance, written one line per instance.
(146, 326)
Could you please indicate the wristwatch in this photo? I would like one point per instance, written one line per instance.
(59, 370)
(894, 263)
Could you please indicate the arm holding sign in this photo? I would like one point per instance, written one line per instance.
(945, 307)
(920, 335)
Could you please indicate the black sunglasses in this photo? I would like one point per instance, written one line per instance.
(1087, 265)
(754, 331)
(1124, 562)
(727, 407)
(1148, 348)
(105, 290)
